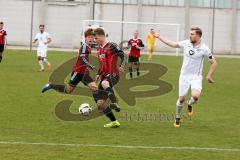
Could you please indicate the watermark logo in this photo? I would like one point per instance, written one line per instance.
(151, 74)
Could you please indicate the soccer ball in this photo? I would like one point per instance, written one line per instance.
(85, 109)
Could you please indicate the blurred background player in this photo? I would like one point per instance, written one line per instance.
(191, 72)
(3, 41)
(80, 70)
(109, 70)
(136, 45)
(151, 40)
(43, 39)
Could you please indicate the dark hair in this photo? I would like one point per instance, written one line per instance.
(41, 25)
(197, 30)
(1, 22)
(99, 31)
(89, 32)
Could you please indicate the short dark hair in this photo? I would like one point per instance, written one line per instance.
(99, 31)
(1, 22)
(197, 30)
(41, 25)
(89, 32)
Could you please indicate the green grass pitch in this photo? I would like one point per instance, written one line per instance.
(29, 128)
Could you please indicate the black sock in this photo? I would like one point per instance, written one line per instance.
(108, 112)
(57, 87)
(111, 95)
(130, 71)
(100, 94)
(138, 73)
(0, 59)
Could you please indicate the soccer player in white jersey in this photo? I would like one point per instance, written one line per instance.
(191, 72)
(43, 39)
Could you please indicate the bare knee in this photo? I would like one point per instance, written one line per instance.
(100, 105)
(181, 99)
(196, 95)
(93, 86)
(69, 89)
(105, 84)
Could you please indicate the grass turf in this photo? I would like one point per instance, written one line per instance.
(27, 115)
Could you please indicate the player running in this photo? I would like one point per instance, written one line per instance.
(136, 45)
(43, 39)
(108, 54)
(191, 73)
(3, 35)
(80, 72)
(151, 40)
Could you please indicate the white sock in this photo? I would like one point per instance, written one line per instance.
(46, 61)
(191, 101)
(41, 64)
(179, 107)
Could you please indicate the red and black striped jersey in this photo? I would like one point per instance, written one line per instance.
(135, 46)
(83, 59)
(108, 58)
(3, 33)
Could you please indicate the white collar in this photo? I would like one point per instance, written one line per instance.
(86, 44)
(104, 44)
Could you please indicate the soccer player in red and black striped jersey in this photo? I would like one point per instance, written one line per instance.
(109, 70)
(136, 45)
(3, 35)
(80, 72)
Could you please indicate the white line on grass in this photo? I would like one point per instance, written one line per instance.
(122, 146)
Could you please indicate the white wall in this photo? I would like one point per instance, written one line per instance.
(64, 22)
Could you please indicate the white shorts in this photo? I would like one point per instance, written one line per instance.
(189, 81)
(42, 52)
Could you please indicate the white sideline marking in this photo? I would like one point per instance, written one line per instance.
(122, 146)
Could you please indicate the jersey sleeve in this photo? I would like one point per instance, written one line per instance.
(208, 54)
(83, 51)
(141, 44)
(182, 44)
(115, 49)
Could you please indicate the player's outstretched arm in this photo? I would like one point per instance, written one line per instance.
(166, 41)
(211, 70)
(34, 41)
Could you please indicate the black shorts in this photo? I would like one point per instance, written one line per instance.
(133, 59)
(79, 77)
(112, 79)
(101, 94)
(1, 48)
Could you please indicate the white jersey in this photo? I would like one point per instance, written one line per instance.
(193, 57)
(42, 39)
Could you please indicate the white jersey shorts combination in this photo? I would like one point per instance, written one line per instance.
(42, 47)
(191, 71)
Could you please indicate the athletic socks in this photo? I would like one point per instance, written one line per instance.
(192, 101)
(41, 64)
(111, 95)
(0, 59)
(46, 61)
(57, 87)
(108, 112)
(130, 72)
(138, 73)
(179, 107)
